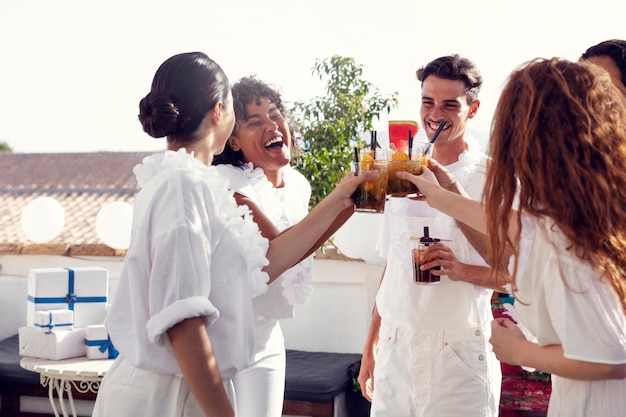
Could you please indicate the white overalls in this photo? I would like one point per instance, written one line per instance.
(433, 357)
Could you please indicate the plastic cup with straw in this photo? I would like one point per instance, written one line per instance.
(370, 196)
(410, 161)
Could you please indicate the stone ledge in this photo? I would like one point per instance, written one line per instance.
(63, 249)
(327, 251)
(330, 251)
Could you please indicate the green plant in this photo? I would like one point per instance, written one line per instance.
(330, 125)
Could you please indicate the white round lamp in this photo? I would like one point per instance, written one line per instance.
(42, 219)
(114, 223)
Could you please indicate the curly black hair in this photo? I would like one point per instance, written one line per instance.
(245, 91)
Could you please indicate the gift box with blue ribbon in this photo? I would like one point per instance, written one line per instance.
(54, 320)
(58, 345)
(98, 342)
(82, 290)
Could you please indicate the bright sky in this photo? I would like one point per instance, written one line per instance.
(73, 71)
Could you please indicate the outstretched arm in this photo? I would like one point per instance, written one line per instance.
(456, 204)
(292, 245)
(270, 231)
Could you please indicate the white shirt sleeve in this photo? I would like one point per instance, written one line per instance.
(180, 282)
(180, 252)
(563, 301)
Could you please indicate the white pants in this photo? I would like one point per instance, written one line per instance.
(260, 388)
(435, 373)
(127, 391)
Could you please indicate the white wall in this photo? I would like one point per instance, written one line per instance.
(338, 316)
(12, 306)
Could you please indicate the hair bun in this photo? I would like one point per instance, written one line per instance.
(158, 115)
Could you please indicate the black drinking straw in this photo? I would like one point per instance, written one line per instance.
(439, 129)
(410, 143)
(356, 161)
(373, 140)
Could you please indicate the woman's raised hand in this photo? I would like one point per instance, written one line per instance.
(348, 185)
(426, 182)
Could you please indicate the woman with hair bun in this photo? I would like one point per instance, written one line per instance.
(181, 317)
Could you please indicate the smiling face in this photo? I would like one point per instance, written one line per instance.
(263, 137)
(445, 100)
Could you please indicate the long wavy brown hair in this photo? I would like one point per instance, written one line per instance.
(558, 145)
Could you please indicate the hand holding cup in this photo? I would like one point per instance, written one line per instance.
(350, 183)
(370, 195)
(426, 182)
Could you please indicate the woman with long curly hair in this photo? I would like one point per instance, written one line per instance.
(558, 153)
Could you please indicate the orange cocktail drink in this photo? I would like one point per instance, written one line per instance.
(370, 196)
(401, 161)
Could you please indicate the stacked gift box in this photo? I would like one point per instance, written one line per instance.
(65, 314)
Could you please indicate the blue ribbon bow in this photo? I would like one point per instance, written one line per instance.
(104, 345)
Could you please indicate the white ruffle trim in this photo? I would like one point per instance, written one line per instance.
(297, 282)
(262, 188)
(238, 219)
(267, 197)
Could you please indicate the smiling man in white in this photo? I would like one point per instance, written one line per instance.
(428, 352)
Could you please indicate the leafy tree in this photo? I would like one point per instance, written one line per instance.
(4, 147)
(330, 125)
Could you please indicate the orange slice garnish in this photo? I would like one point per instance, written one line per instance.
(400, 156)
(367, 162)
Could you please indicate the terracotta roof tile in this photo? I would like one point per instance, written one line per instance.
(81, 182)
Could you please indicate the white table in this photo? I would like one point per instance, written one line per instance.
(60, 376)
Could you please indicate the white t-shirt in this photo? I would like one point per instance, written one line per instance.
(285, 207)
(193, 253)
(449, 304)
(562, 301)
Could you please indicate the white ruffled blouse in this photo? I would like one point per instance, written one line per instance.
(285, 207)
(193, 253)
